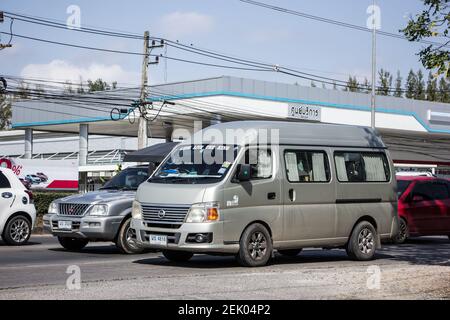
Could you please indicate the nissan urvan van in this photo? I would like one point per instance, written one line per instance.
(248, 188)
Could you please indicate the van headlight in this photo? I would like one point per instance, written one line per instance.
(136, 210)
(203, 212)
(53, 208)
(99, 210)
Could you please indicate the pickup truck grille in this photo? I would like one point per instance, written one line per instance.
(164, 215)
(72, 209)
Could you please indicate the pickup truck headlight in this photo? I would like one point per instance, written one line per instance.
(203, 212)
(136, 210)
(53, 208)
(99, 210)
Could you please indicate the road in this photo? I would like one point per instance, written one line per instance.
(419, 269)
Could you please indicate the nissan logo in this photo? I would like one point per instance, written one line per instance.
(161, 214)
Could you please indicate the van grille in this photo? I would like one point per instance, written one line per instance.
(72, 209)
(164, 215)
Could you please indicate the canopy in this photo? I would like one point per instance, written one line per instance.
(154, 153)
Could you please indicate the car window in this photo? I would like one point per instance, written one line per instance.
(4, 182)
(260, 161)
(307, 166)
(361, 167)
(431, 190)
(402, 185)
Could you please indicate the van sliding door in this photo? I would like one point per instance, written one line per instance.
(308, 194)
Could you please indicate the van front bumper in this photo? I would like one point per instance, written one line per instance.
(87, 227)
(178, 238)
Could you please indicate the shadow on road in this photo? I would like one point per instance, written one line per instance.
(29, 243)
(422, 251)
(202, 261)
(92, 250)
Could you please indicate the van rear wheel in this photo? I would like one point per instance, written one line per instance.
(177, 256)
(255, 246)
(73, 244)
(290, 252)
(362, 243)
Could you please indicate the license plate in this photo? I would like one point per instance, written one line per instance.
(158, 240)
(66, 225)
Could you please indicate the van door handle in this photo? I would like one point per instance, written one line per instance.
(292, 194)
(271, 196)
(7, 195)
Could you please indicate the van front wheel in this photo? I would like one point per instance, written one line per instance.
(362, 243)
(255, 246)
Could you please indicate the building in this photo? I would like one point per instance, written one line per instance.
(416, 132)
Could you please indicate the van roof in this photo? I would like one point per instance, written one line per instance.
(288, 133)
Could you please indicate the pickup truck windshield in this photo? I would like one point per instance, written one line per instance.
(194, 164)
(128, 179)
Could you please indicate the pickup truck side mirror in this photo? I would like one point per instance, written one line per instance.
(244, 172)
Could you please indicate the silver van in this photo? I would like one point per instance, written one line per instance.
(271, 185)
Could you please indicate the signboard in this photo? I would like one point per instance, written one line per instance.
(304, 112)
(45, 174)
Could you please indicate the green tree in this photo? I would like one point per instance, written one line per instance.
(68, 87)
(366, 86)
(433, 22)
(385, 82)
(5, 111)
(419, 92)
(97, 85)
(443, 91)
(432, 90)
(411, 84)
(398, 86)
(352, 84)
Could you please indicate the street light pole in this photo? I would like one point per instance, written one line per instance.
(374, 67)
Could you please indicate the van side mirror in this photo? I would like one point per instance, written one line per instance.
(244, 172)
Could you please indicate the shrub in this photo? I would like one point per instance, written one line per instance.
(43, 199)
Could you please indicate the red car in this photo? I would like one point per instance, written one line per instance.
(423, 207)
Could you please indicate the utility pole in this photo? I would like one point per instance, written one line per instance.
(142, 130)
(374, 67)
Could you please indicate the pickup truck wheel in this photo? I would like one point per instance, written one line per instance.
(177, 256)
(290, 252)
(17, 231)
(126, 239)
(402, 235)
(362, 243)
(255, 246)
(73, 244)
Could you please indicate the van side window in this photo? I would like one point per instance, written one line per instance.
(361, 167)
(4, 182)
(260, 161)
(307, 166)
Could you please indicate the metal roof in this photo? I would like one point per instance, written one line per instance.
(291, 133)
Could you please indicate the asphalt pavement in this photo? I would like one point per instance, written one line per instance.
(419, 269)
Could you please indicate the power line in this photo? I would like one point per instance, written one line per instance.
(333, 22)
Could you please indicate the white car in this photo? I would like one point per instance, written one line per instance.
(17, 211)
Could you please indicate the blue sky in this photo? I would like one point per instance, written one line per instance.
(227, 26)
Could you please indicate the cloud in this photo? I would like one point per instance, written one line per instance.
(178, 24)
(61, 70)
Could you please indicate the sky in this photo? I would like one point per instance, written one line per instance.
(226, 26)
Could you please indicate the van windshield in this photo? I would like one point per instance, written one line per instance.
(194, 164)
